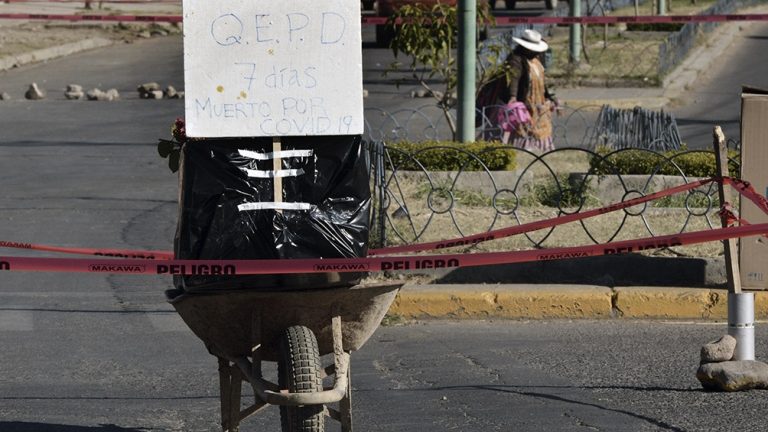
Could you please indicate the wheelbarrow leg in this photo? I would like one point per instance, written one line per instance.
(345, 405)
(230, 387)
(224, 384)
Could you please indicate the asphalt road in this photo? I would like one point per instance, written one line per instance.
(83, 362)
(715, 99)
(98, 353)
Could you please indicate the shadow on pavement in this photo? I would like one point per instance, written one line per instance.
(611, 271)
(660, 424)
(50, 427)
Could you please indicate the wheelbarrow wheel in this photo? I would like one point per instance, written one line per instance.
(299, 371)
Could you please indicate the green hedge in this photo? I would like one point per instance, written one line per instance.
(657, 27)
(451, 156)
(689, 163)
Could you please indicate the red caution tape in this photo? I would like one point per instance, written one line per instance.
(112, 253)
(507, 20)
(93, 1)
(632, 19)
(726, 212)
(162, 262)
(460, 241)
(94, 17)
(741, 186)
(373, 264)
(537, 225)
(377, 20)
(749, 192)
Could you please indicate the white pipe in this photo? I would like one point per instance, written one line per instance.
(741, 324)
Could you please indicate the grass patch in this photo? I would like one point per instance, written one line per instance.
(674, 7)
(615, 57)
(611, 55)
(391, 320)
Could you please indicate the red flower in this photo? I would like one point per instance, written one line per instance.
(179, 131)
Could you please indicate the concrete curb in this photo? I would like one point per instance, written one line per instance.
(10, 62)
(502, 301)
(653, 103)
(529, 301)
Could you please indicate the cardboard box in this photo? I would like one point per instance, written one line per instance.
(753, 251)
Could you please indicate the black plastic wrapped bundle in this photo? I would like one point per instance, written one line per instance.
(228, 209)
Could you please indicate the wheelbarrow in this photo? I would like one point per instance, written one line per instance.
(293, 328)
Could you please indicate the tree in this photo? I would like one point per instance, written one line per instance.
(429, 35)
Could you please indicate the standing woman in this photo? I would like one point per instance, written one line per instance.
(525, 84)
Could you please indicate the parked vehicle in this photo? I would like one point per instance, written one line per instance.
(510, 4)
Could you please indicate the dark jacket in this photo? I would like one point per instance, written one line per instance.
(519, 79)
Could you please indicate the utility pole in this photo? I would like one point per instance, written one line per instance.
(575, 38)
(662, 7)
(467, 52)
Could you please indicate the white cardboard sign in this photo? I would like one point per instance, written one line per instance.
(272, 68)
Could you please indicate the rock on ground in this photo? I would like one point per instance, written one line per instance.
(34, 92)
(74, 92)
(733, 375)
(99, 95)
(171, 93)
(113, 94)
(718, 351)
(150, 90)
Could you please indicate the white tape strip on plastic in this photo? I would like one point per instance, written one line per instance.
(273, 174)
(274, 206)
(250, 154)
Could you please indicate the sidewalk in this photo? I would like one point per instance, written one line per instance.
(674, 85)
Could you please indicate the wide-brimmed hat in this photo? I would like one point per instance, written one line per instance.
(531, 40)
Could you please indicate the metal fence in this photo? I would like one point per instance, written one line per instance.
(415, 204)
(585, 127)
(636, 128)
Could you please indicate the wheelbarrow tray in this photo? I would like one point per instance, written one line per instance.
(229, 322)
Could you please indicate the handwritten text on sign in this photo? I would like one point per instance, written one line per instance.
(258, 68)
